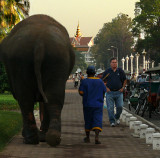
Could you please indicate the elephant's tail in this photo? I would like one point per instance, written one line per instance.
(38, 57)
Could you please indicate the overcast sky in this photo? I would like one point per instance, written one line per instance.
(91, 14)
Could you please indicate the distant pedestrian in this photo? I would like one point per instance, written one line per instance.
(115, 79)
(92, 89)
(99, 73)
(133, 81)
(81, 76)
(141, 79)
(76, 79)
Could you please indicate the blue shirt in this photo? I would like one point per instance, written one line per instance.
(93, 90)
(114, 79)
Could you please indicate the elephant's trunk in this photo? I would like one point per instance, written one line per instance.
(38, 57)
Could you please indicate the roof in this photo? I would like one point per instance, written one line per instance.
(154, 70)
(81, 41)
(82, 49)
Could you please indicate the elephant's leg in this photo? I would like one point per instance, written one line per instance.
(55, 93)
(30, 131)
(44, 118)
(53, 136)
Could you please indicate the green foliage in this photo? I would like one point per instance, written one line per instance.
(12, 11)
(147, 23)
(7, 102)
(2, 34)
(10, 124)
(79, 62)
(116, 33)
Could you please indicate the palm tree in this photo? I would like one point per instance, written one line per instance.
(12, 12)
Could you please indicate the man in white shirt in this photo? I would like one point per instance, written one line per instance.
(76, 80)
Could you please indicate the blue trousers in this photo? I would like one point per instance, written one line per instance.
(93, 118)
(114, 98)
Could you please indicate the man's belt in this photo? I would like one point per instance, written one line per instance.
(114, 89)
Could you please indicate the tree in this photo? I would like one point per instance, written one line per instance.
(12, 12)
(147, 24)
(116, 33)
(79, 62)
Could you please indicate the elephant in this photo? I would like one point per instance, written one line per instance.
(38, 58)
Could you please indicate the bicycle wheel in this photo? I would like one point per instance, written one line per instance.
(138, 108)
(150, 108)
(145, 107)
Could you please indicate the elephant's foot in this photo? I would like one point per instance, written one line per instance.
(53, 137)
(42, 136)
(30, 136)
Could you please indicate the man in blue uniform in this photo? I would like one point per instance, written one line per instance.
(92, 89)
(115, 79)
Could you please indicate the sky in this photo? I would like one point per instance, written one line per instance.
(91, 14)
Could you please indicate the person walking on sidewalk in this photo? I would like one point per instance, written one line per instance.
(115, 79)
(76, 79)
(92, 89)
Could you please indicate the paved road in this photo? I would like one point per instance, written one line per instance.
(117, 142)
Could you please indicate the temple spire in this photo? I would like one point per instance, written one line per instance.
(78, 32)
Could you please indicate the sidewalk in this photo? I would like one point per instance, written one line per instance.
(117, 142)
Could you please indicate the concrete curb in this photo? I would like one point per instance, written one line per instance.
(142, 119)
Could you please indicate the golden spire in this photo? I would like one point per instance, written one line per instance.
(78, 32)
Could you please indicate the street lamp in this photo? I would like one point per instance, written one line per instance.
(123, 60)
(131, 63)
(144, 59)
(117, 53)
(153, 63)
(111, 50)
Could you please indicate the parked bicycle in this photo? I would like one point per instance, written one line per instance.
(133, 98)
(143, 103)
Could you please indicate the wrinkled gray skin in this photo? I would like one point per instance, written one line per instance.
(38, 58)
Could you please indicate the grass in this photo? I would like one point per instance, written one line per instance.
(10, 124)
(10, 121)
(7, 102)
